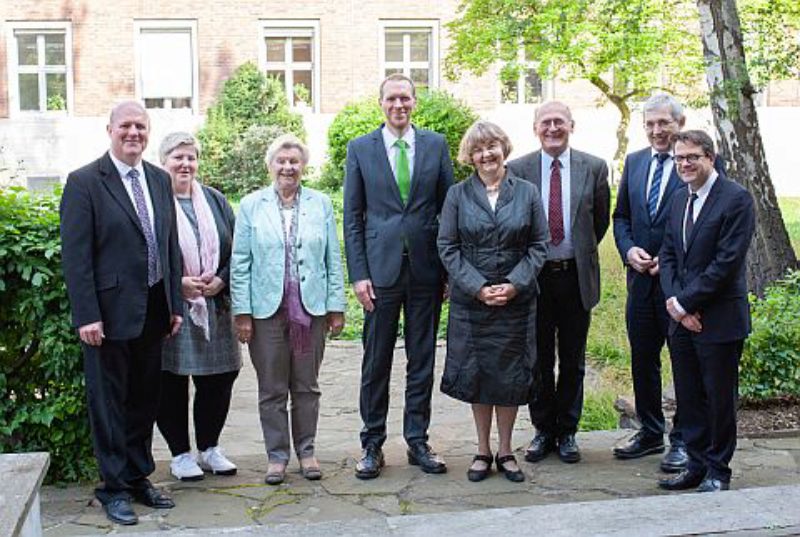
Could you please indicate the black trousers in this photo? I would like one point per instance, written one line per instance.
(421, 305)
(562, 326)
(212, 400)
(647, 321)
(122, 388)
(706, 384)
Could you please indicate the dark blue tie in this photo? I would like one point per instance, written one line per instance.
(655, 186)
(688, 223)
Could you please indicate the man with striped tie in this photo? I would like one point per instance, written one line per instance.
(649, 180)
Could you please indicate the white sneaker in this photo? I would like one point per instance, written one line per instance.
(185, 468)
(212, 460)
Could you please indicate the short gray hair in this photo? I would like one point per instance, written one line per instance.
(173, 141)
(287, 141)
(664, 100)
(482, 133)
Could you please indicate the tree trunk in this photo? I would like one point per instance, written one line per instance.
(739, 139)
(622, 127)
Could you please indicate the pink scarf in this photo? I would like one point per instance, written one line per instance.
(196, 259)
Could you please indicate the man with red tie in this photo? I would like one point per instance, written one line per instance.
(575, 193)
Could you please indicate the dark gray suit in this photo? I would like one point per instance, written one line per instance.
(568, 292)
(104, 255)
(394, 245)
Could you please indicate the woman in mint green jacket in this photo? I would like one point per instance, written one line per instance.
(287, 292)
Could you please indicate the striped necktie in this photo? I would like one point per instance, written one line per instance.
(144, 218)
(655, 186)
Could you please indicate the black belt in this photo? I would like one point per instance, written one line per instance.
(558, 265)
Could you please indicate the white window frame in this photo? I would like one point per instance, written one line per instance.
(292, 28)
(48, 27)
(399, 25)
(548, 85)
(167, 25)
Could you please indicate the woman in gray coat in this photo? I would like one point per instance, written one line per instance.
(491, 241)
(205, 347)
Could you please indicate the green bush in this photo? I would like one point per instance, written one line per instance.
(42, 401)
(250, 112)
(770, 365)
(436, 110)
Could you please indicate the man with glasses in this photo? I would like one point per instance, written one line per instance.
(649, 180)
(702, 267)
(575, 192)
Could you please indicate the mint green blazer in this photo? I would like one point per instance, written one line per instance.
(257, 260)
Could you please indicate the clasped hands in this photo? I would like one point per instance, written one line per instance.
(690, 321)
(497, 295)
(642, 262)
(196, 286)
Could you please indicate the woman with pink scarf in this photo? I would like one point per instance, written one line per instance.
(287, 288)
(205, 347)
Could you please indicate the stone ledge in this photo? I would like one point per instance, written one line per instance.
(22, 475)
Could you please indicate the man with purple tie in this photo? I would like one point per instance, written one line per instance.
(122, 269)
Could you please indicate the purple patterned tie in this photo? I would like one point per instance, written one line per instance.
(141, 209)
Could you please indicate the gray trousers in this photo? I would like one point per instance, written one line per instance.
(280, 374)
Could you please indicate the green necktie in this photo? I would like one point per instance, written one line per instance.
(401, 169)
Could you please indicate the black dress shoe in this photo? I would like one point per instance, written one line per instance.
(568, 449)
(369, 467)
(540, 446)
(480, 475)
(675, 460)
(683, 481)
(152, 497)
(713, 485)
(120, 511)
(639, 445)
(512, 475)
(423, 456)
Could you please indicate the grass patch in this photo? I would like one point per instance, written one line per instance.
(598, 411)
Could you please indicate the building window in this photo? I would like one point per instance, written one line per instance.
(526, 87)
(289, 53)
(166, 54)
(410, 48)
(40, 70)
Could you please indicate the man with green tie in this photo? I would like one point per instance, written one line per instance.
(396, 180)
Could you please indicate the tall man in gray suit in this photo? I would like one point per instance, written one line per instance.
(575, 193)
(395, 185)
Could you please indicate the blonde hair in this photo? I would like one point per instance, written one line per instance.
(286, 141)
(482, 133)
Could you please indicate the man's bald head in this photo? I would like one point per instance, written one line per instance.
(129, 130)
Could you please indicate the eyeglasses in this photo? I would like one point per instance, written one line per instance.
(691, 158)
(556, 123)
(662, 123)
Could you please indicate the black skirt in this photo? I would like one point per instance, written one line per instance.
(491, 352)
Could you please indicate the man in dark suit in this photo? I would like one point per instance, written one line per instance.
(396, 180)
(576, 198)
(123, 274)
(703, 262)
(649, 179)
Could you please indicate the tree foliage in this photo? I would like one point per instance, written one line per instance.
(625, 48)
(436, 110)
(770, 29)
(42, 399)
(248, 100)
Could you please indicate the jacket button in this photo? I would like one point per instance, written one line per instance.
(300, 262)
(302, 278)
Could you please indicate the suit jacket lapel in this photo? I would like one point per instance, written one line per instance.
(638, 183)
(113, 183)
(382, 160)
(271, 214)
(577, 182)
(420, 149)
(155, 188)
(536, 167)
(708, 206)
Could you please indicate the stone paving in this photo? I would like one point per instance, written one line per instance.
(244, 500)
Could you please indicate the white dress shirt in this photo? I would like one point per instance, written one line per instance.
(123, 170)
(391, 150)
(564, 250)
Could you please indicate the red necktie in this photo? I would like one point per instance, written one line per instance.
(556, 216)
